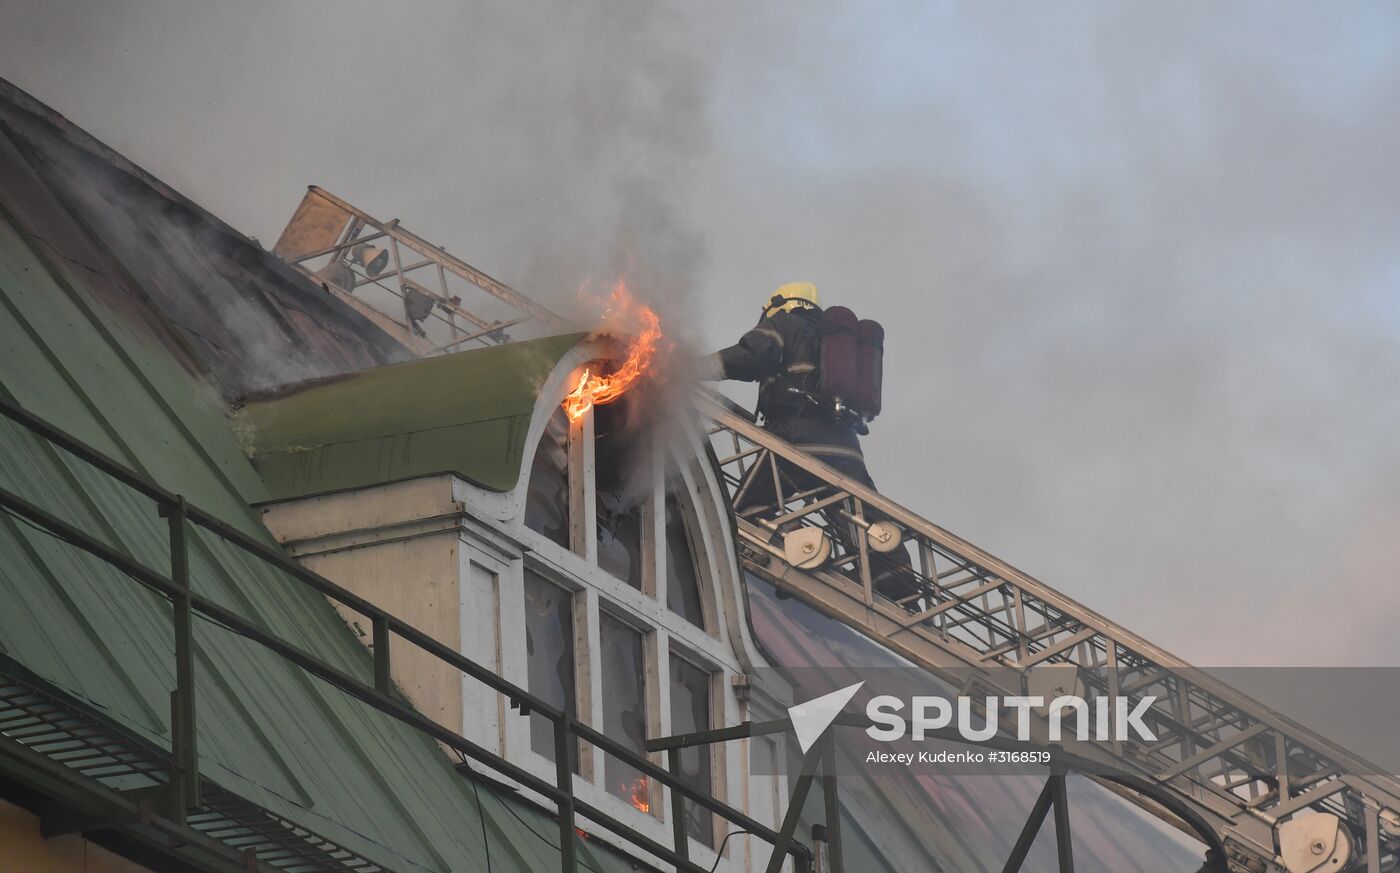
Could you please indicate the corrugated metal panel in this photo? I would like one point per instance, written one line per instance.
(267, 732)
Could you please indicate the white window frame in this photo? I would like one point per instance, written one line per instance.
(664, 633)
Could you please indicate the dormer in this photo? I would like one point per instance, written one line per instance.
(591, 561)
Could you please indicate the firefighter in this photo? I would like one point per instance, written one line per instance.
(783, 354)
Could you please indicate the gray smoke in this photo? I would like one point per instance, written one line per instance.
(1137, 265)
(547, 143)
(1139, 273)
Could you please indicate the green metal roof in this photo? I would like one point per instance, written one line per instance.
(465, 413)
(267, 731)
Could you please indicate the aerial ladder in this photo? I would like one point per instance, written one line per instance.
(1266, 794)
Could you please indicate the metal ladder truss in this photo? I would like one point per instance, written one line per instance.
(1244, 768)
(329, 240)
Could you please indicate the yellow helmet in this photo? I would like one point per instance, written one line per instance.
(791, 296)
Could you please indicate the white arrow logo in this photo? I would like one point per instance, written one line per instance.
(811, 719)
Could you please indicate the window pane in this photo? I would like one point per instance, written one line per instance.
(682, 580)
(549, 648)
(547, 499)
(763, 780)
(624, 707)
(620, 489)
(690, 712)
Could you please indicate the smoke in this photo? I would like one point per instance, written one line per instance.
(547, 143)
(585, 147)
(1138, 273)
(1136, 265)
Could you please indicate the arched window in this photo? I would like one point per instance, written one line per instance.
(621, 486)
(624, 706)
(547, 497)
(691, 693)
(684, 595)
(549, 653)
(630, 575)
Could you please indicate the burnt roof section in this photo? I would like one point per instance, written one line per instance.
(223, 305)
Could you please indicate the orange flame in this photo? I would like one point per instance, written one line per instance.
(637, 794)
(596, 390)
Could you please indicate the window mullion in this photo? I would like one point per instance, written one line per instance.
(659, 708)
(719, 759)
(654, 543)
(583, 513)
(588, 673)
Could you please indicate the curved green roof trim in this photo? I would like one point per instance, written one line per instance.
(466, 413)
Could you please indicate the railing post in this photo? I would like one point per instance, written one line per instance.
(1031, 828)
(379, 627)
(673, 758)
(564, 780)
(1064, 844)
(184, 777)
(821, 862)
(794, 812)
(831, 804)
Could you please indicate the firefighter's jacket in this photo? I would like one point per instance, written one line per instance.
(782, 353)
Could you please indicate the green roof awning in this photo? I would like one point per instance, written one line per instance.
(466, 413)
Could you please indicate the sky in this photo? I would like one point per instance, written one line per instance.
(1139, 265)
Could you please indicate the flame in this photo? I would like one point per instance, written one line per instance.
(637, 794)
(596, 389)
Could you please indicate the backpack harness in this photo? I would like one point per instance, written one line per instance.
(850, 367)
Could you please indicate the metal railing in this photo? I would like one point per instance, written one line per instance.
(186, 604)
(1244, 767)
